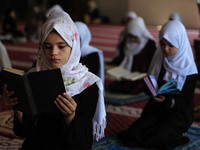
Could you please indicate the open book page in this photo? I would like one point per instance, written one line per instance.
(135, 76)
(168, 88)
(120, 73)
(16, 71)
(154, 82)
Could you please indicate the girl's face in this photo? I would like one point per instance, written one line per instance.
(167, 48)
(56, 50)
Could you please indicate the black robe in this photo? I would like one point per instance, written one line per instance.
(162, 124)
(50, 131)
(92, 62)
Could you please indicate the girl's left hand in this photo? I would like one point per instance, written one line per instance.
(67, 106)
(159, 98)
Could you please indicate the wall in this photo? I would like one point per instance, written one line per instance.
(114, 9)
(154, 12)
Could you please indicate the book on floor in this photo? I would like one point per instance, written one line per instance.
(168, 88)
(36, 91)
(120, 73)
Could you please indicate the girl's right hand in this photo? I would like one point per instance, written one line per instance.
(7, 97)
(159, 98)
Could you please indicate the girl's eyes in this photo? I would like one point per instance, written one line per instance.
(47, 46)
(61, 47)
(170, 45)
(163, 44)
(50, 47)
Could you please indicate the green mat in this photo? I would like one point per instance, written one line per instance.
(123, 99)
(111, 143)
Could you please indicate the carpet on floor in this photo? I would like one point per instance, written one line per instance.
(119, 118)
(6, 123)
(111, 143)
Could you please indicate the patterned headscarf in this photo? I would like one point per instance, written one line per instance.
(86, 48)
(137, 28)
(56, 7)
(182, 63)
(76, 76)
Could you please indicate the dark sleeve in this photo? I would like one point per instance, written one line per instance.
(184, 102)
(143, 59)
(93, 63)
(1, 83)
(150, 53)
(79, 131)
(23, 130)
(51, 130)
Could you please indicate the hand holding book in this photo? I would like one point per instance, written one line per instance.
(35, 91)
(168, 88)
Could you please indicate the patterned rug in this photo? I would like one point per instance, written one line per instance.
(6, 123)
(111, 143)
(10, 143)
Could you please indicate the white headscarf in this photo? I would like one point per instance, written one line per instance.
(86, 48)
(122, 35)
(4, 58)
(174, 16)
(137, 28)
(66, 28)
(56, 7)
(182, 63)
(131, 15)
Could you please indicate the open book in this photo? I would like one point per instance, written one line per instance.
(168, 88)
(120, 73)
(36, 91)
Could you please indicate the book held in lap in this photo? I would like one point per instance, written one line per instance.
(168, 88)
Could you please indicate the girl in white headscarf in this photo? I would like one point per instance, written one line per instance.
(175, 16)
(90, 56)
(139, 50)
(166, 118)
(138, 37)
(79, 108)
(119, 53)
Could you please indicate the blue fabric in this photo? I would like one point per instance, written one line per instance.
(110, 143)
(123, 99)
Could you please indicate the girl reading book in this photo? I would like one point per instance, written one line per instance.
(139, 49)
(167, 117)
(81, 116)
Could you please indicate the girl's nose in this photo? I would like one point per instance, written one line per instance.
(55, 51)
(166, 48)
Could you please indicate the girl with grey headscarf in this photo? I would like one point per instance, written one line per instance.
(138, 52)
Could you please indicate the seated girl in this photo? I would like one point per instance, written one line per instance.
(119, 53)
(167, 117)
(81, 115)
(139, 50)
